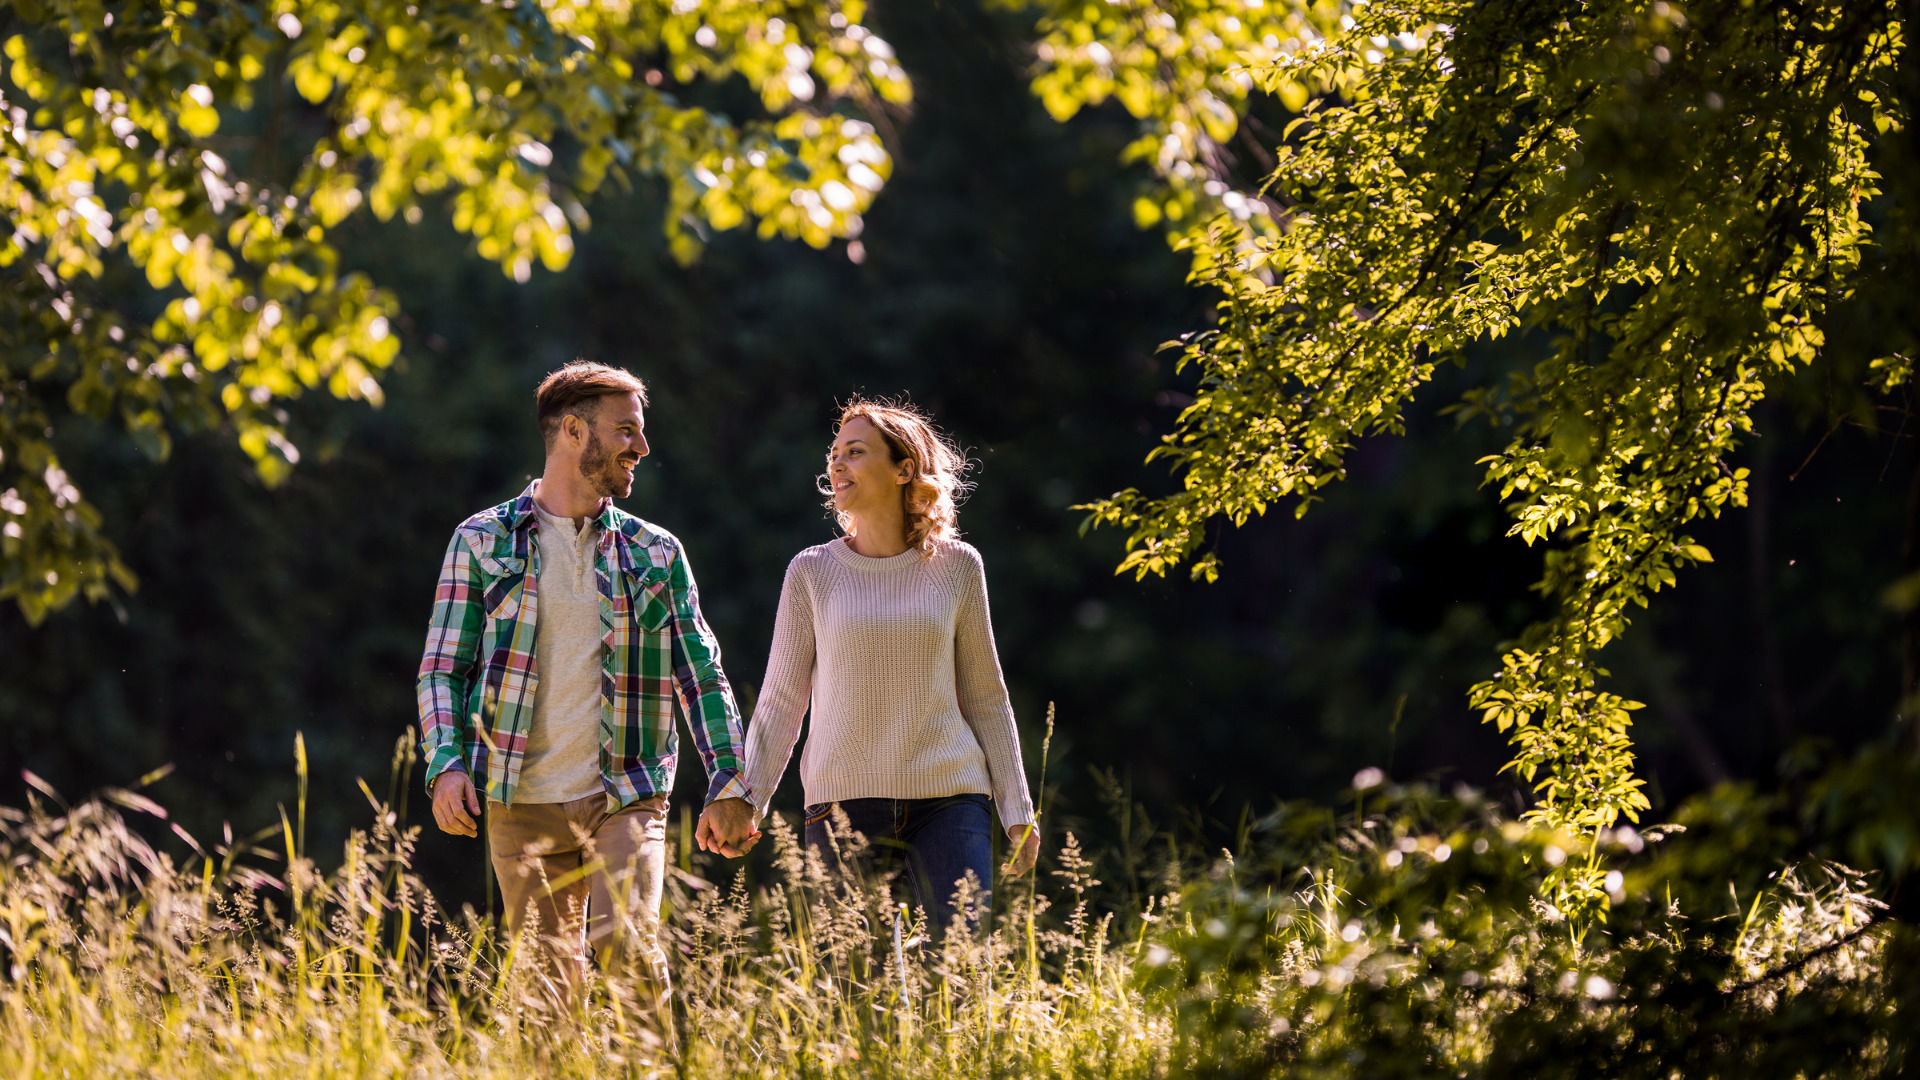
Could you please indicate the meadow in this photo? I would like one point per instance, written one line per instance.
(247, 960)
(1407, 935)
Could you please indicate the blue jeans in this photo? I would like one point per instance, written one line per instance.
(938, 840)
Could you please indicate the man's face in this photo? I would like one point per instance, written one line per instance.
(616, 441)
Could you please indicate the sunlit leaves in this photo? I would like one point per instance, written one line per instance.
(1666, 199)
(1185, 69)
(168, 139)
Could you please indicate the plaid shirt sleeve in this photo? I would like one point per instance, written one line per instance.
(705, 695)
(453, 641)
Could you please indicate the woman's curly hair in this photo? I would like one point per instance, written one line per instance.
(938, 482)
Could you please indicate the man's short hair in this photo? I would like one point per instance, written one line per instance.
(576, 389)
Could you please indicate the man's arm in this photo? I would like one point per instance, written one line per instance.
(705, 695)
(453, 638)
(726, 825)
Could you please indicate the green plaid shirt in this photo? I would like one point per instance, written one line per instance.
(478, 675)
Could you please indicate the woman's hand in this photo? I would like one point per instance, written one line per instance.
(1026, 848)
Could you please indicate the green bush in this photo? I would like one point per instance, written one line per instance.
(1413, 940)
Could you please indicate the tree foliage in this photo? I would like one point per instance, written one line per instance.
(171, 264)
(1652, 198)
(1666, 199)
(1185, 70)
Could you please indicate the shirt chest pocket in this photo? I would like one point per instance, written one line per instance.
(648, 598)
(507, 580)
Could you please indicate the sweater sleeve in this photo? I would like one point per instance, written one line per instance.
(983, 698)
(786, 693)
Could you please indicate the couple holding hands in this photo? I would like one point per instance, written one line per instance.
(563, 628)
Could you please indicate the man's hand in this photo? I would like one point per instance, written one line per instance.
(726, 828)
(456, 804)
(1026, 848)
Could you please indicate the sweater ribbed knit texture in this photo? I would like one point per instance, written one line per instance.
(896, 658)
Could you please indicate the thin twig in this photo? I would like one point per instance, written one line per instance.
(1785, 970)
(1795, 474)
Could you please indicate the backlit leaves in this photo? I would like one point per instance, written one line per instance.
(1186, 69)
(169, 140)
(1667, 198)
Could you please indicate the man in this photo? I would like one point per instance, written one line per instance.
(562, 629)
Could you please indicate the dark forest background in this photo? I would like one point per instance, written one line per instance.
(1006, 289)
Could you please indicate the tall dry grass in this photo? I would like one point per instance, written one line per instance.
(247, 960)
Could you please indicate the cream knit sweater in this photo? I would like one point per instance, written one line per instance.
(896, 658)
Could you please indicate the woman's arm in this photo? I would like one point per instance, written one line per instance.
(983, 695)
(786, 692)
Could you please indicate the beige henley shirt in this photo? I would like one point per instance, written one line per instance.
(563, 744)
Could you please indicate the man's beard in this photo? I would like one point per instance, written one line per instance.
(601, 466)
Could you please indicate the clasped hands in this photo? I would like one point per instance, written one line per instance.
(726, 828)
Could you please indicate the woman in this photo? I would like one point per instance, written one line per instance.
(885, 630)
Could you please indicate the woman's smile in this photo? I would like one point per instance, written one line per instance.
(861, 451)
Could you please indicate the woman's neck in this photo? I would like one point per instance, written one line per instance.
(878, 536)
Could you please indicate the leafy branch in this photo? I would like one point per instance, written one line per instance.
(1669, 287)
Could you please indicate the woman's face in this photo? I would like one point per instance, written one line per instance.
(860, 471)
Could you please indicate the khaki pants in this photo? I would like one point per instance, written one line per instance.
(591, 879)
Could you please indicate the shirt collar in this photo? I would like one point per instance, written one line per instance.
(523, 513)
